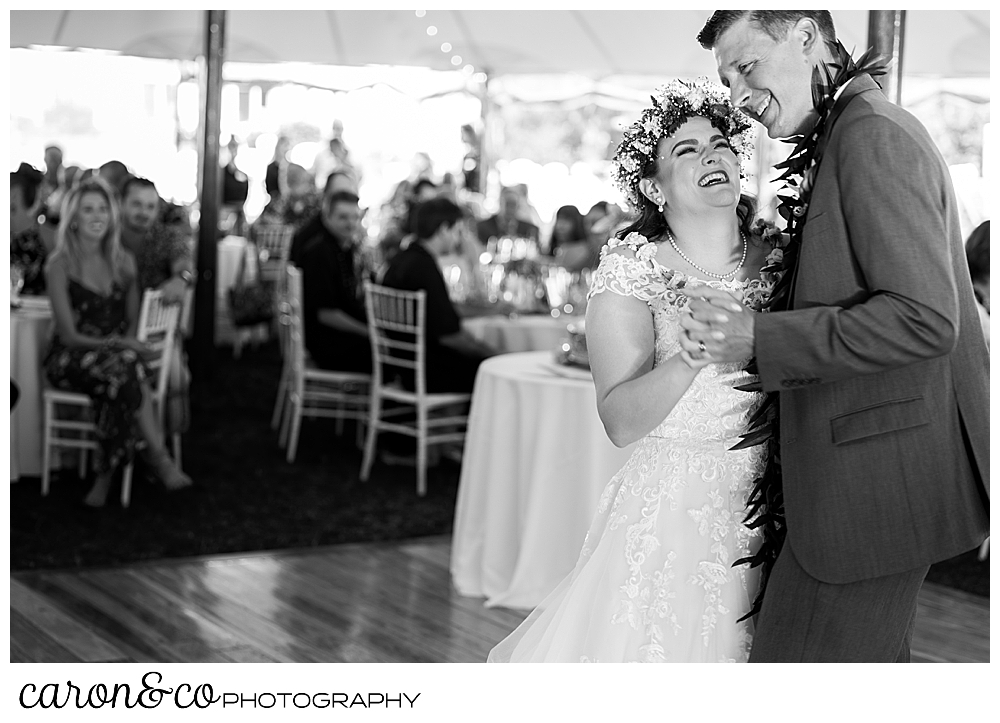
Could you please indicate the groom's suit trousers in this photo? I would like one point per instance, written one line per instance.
(808, 621)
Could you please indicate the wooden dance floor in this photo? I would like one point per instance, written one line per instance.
(374, 602)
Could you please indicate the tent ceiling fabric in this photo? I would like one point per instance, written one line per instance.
(595, 43)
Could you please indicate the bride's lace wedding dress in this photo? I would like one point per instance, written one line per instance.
(655, 581)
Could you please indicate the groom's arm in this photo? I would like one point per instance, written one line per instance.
(894, 192)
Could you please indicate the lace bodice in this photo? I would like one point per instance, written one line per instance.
(712, 410)
(655, 580)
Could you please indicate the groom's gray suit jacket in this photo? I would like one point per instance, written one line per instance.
(880, 362)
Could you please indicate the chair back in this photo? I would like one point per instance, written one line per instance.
(295, 340)
(396, 327)
(274, 241)
(158, 323)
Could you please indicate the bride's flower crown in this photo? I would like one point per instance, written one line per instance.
(673, 104)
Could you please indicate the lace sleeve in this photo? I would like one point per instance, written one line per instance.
(627, 268)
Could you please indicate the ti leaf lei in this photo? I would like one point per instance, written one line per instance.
(766, 510)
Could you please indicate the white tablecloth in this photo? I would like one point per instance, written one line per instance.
(29, 340)
(536, 460)
(230, 251)
(522, 333)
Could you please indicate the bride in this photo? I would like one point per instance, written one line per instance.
(655, 580)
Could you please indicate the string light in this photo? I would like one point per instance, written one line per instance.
(431, 30)
(421, 13)
(456, 60)
(468, 70)
(445, 47)
(479, 77)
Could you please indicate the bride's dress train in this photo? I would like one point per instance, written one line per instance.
(655, 581)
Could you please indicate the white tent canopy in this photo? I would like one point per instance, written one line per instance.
(598, 44)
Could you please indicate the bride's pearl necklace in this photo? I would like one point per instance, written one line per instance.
(670, 238)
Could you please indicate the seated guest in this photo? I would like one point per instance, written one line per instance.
(115, 173)
(92, 282)
(340, 180)
(569, 243)
(453, 355)
(297, 206)
(163, 252)
(977, 251)
(506, 221)
(28, 249)
(333, 289)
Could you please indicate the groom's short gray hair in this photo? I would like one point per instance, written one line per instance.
(773, 22)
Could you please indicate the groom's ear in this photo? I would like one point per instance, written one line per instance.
(807, 34)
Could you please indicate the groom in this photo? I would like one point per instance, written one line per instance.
(879, 361)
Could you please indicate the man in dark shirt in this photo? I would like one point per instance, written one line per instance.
(334, 312)
(453, 355)
(335, 183)
(506, 222)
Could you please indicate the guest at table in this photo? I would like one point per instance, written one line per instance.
(28, 249)
(115, 173)
(92, 282)
(163, 252)
(336, 330)
(453, 355)
(977, 251)
(568, 243)
(506, 221)
(298, 206)
(337, 181)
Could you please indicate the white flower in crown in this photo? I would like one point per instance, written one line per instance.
(651, 125)
(696, 96)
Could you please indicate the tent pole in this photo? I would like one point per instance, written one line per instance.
(485, 157)
(885, 34)
(203, 348)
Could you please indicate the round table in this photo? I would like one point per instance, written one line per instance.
(30, 328)
(537, 332)
(536, 461)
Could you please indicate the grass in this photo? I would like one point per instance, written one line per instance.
(247, 497)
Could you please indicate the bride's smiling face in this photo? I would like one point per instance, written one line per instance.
(696, 168)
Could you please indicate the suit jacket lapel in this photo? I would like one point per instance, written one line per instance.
(860, 84)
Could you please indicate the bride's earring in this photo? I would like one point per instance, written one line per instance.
(660, 207)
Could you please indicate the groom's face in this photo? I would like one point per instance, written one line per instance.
(770, 80)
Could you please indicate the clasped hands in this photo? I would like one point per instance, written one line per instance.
(716, 328)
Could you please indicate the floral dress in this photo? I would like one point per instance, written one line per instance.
(111, 377)
(655, 580)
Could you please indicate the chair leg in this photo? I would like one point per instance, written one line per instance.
(338, 425)
(293, 439)
(47, 447)
(82, 463)
(126, 485)
(176, 444)
(279, 403)
(373, 419)
(421, 451)
(286, 421)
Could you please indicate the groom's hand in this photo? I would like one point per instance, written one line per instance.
(717, 325)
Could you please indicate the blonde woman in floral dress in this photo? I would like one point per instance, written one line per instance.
(655, 581)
